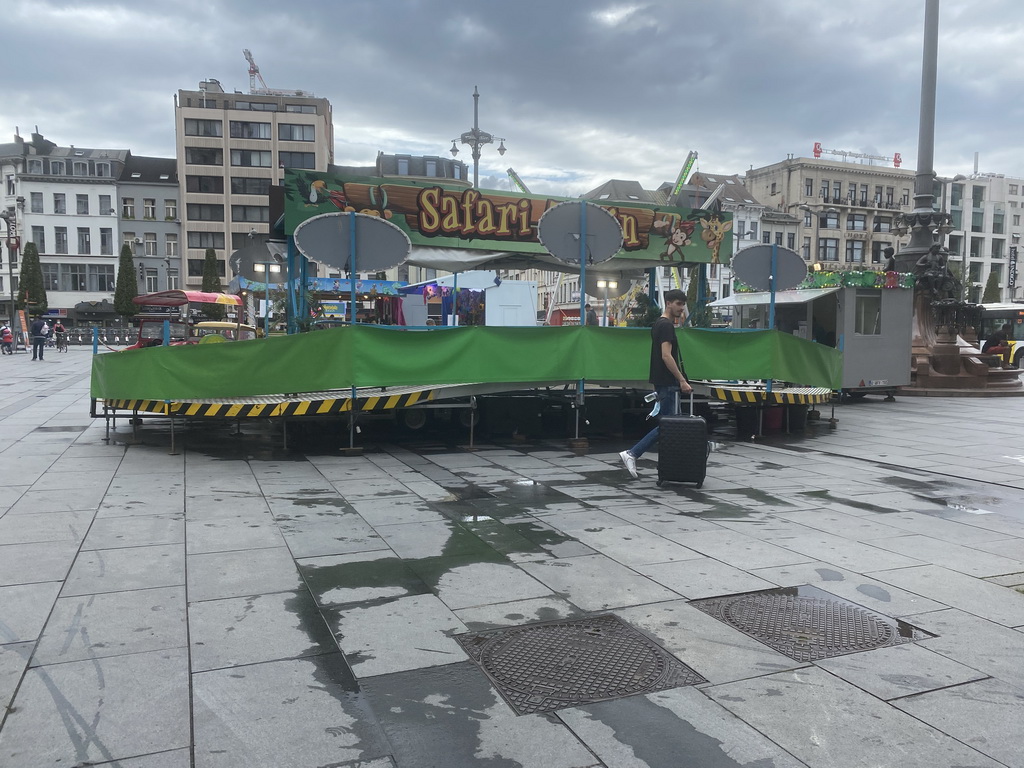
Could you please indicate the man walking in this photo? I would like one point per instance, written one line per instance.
(39, 331)
(666, 372)
(591, 315)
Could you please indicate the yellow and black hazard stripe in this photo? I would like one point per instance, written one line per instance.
(319, 407)
(808, 396)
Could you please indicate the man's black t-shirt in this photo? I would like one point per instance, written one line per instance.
(663, 330)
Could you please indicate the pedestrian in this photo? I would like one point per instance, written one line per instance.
(62, 335)
(666, 372)
(39, 332)
(591, 315)
(998, 342)
(6, 340)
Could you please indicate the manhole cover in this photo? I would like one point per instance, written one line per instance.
(556, 664)
(806, 623)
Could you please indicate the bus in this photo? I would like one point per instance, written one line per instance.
(994, 317)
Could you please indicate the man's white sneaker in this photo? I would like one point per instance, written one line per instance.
(630, 463)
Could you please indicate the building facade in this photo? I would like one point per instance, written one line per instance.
(231, 147)
(986, 211)
(845, 210)
(149, 220)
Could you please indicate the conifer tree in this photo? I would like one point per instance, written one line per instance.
(126, 288)
(31, 289)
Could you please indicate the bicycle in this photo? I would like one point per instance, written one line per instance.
(62, 342)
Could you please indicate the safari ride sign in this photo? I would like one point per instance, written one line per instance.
(439, 215)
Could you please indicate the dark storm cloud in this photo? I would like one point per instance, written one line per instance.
(581, 91)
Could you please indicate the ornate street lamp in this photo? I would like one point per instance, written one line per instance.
(476, 138)
(13, 243)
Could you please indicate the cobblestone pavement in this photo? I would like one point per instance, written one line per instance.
(236, 605)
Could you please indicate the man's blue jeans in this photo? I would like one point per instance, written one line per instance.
(667, 396)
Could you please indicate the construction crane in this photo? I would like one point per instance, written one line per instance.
(254, 75)
(517, 181)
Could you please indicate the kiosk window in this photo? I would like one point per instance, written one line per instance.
(868, 312)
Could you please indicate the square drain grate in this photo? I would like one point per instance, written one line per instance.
(807, 623)
(556, 664)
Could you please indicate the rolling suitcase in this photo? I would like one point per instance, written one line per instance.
(683, 448)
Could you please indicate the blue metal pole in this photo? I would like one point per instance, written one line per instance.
(167, 333)
(292, 279)
(95, 340)
(352, 267)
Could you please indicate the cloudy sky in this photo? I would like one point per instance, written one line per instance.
(581, 90)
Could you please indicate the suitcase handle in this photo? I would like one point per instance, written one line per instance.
(691, 402)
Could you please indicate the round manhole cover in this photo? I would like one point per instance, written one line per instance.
(541, 667)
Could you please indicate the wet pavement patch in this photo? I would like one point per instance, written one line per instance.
(61, 429)
(807, 623)
(557, 664)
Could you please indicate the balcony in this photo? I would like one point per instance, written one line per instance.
(862, 202)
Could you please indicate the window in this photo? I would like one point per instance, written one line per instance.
(752, 231)
(431, 167)
(805, 249)
(105, 208)
(828, 249)
(148, 208)
(857, 222)
(307, 109)
(213, 185)
(79, 168)
(297, 159)
(863, 194)
(73, 277)
(956, 196)
(293, 132)
(204, 156)
(808, 187)
(244, 186)
(170, 209)
(978, 221)
(11, 186)
(256, 106)
(867, 313)
(778, 238)
(173, 283)
(883, 224)
(766, 237)
(39, 238)
(998, 219)
(854, 251)
(205, 212)
(101, 277)
(51, 276)
(808, 220)
(35, 166)
(876, 251)
(127, 207)
(206, 240)
(1016, 219)
(791, 240)
(852, 198)
(775, 189)
(106, 242)
(837, 191)
(403, 166)
(128, 238)
(36, 203)
(997, 248)
(977, 196)
(203, 127)
(250, 213)
(56, 168)
(170, 245)
(957, 216)
(60, 236)
(103, 170)
(905, 200)
(250, 158)
(82, 205)
(150, 240)
(84, 241)
(152, 281)
(1013, 189)
(456, 171)
(195, 267)
(829, 220)
(59, 203)
(245, 130)
(824, 188)
(889, 194)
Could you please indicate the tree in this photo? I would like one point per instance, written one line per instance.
(211, 284)
(644, 312)
(992, 294)
(31, 289)
(700, 316)
(126, 288)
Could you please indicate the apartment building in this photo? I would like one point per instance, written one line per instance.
(63, 200)
(845, 210)
(986, 211)
(231, 147)
(148, 220)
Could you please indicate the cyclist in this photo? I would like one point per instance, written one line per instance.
(62, 336)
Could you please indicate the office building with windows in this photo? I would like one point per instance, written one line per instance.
(986, 211)
(845, 210)
(231, 147)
